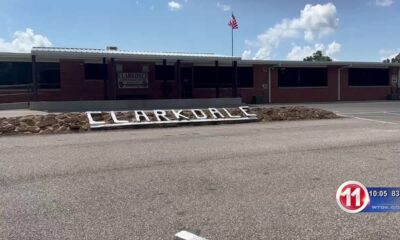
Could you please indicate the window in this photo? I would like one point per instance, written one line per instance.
(165, 73)
(95, 71)
(15, 75)
(368, 77)
(302, 77)
(225, 76)
(48, 75)
(245, 77)
(205, 77)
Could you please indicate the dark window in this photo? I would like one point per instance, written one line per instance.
(95, 71)
(303, 77)
(48, 75)
(165, 73)
(15, 75)
(225, 77)
(205, 77)
(368, 77)
(245, 77)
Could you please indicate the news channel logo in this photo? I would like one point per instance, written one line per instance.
(354, 197)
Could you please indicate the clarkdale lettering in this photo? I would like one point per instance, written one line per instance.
(154, 117)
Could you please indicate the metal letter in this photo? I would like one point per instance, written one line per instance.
(93, 122)
(195, 111)
(246, 110)
(141, 114)
(229, 114)
(214, 112)
(161, 114)
(178, 115)
(114, 118)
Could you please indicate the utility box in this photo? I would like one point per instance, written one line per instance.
(258, 100)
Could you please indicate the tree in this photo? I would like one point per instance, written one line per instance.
(393, 60)
(318, 56)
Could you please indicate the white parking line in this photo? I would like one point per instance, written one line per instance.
(394, 113)
(184, 235)
(366, 119)
(356, 113)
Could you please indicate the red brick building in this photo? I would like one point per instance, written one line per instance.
(66, 74)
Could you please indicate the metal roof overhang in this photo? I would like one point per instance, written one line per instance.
(15, 57)
(322, 64)
(91, 54)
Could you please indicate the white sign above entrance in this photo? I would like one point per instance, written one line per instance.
(133, 80)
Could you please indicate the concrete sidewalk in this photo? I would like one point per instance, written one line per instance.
(20, 112)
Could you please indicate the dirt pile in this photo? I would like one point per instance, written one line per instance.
(51, 123)
(292, 113)
(78, 122)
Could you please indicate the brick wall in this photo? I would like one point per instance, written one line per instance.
(304, 94)
(74, 87)
(259, 78)
(15, 96)
(353, 93)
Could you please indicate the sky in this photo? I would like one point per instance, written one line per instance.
(346, 30)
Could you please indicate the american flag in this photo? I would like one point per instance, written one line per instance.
(233, 23)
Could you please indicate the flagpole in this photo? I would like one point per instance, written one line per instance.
(232, 36)
(232, 42)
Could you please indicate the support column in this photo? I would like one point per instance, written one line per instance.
(164, 87)
(217, 79)
(269, 85)
(113, 80)
(235, 80)
(398, 82)
(339, 97)
(178, 78)
(105, 78)
(34, 80)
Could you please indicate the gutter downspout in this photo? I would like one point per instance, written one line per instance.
(269, 86)
(270, 81)
(339, 97)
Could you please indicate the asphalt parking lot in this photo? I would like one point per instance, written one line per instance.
(249, 181)
(386, 112)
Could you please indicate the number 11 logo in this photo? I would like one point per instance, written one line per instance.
(352, 197)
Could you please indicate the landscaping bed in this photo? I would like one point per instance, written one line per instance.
(45, 124)
(78, 122)
(292, 113)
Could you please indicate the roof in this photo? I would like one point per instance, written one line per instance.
(140, 55)
(283, 63)
(9, 56)
(54, 53)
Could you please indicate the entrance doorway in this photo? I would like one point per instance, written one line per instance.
(187, 82)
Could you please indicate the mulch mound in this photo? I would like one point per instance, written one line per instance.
(51, 123)
(292, 113)
(78, 122)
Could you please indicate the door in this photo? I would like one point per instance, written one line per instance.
(187, 82)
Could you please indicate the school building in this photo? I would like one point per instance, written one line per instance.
(71, 74)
